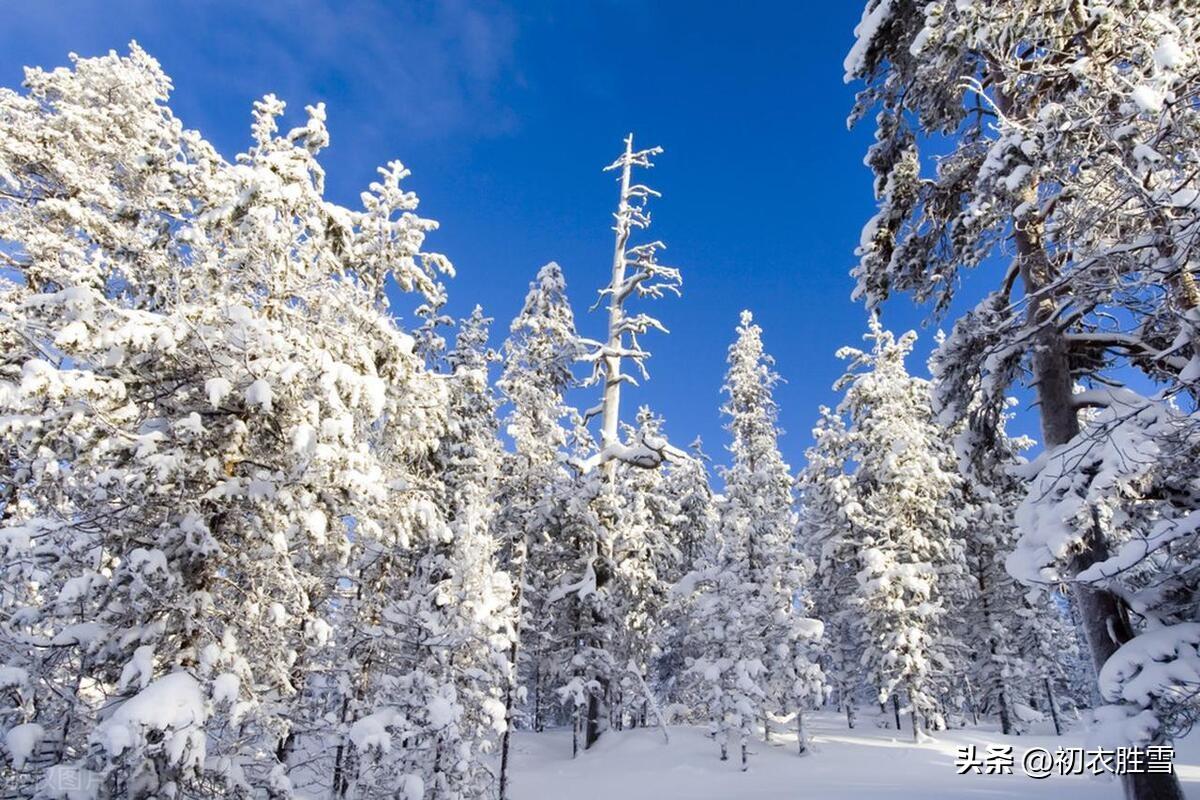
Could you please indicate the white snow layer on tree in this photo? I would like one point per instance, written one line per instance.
(873, 18)
(21, 741)
(173, 706)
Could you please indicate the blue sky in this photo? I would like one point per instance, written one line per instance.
(506, 115)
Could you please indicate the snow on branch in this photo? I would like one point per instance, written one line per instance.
(648, 452)
(635, 271)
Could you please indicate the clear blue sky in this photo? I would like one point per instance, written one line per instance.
(506, 114)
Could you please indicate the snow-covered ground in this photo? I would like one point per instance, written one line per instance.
(864, 764)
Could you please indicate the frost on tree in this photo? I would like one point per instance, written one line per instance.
(1135, 484)
(1067, 132)
(202, 396)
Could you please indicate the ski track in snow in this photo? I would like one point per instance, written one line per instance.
(863, 764)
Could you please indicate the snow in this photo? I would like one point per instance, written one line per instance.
(1147, 98)
(68, 782)
(83, 633)
(1146, 153)
(412, 787)
(140, 668)
(21, 741)
(1133, 551)
(217, 389)
(1168, 54)
(225, 688)
(79, 588)
(1185, 197)
(809, 628)
(371, 732)
(867, 763)
(13, 678)
(172, 705)
(259, 394)
(1154, 663)
(442, 711)
(864, 32)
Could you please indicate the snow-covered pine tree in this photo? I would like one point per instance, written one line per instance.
(646, 559)
(587, 663)
(539, 356)
(755, 660)
(1019, 649)
(429, 625)
(726, 669)
(464, 629)
(828, 538)
(635, 272)
(903, 515)
(694, 526)
(1135, 484)
(199, 374)
(1055, 116)
(694, 532)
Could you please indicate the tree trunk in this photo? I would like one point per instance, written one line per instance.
(1006, 726)
(538, 724)
(340, 783)
(801, 738)
(971, 703)
(745, 755)
(520, 555)
(593, 721)
(766, 727)
(611, 419)
(912, 701)
(896, 710)
(575, 733)
(1053, 707)
(849, 715)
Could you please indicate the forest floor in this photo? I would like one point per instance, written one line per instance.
(867, 763)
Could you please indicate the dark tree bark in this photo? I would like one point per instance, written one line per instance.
(1053, 707)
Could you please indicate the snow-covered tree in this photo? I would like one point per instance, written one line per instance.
(538, 359)
(828, 538)
(635, 273)
(1017, 648)
(902, 517)
(646, 562)
(1071, 140)
(598, 528)
(465, 629)
(755, 658)
(202, 394)
(1133, 485)
(585, 601)
(695, 534)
